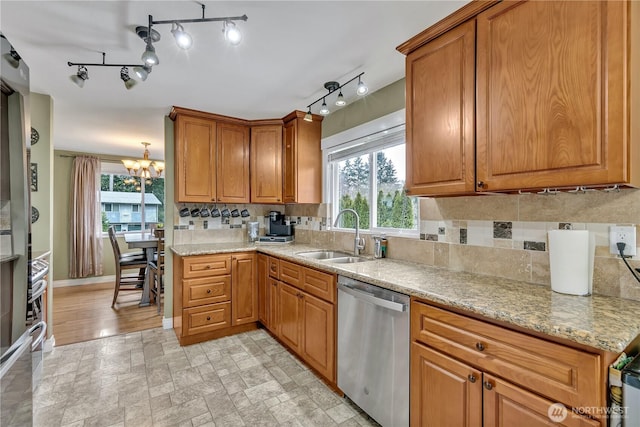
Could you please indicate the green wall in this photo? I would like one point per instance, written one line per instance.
(387, 100)
(42, 155)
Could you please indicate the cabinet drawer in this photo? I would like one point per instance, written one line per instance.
(207, 290)
(274, 267)
(291, 273)
(562, 373)
(320, 284)
(206, 265)
(206, 318)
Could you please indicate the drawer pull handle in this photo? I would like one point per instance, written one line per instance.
(208, 291)
(480, 346)
(472, 378)
(208, 317)
(488, 385)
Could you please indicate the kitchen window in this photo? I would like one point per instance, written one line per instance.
(122, 203)
(367, 174)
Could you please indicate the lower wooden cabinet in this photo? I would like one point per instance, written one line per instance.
(268, 293)
(214, 296)
(290, 316)
(318, 335)
(467, 372)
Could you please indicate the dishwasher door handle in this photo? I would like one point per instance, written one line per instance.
(366, 296)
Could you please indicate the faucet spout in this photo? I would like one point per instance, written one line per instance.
(358, 243)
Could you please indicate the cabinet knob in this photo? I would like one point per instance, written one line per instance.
(208, 291)
(472, 378)
(208, 267)
(208, 317)
(481, 184)
(480, 346)
(488, 385)
(277, 200)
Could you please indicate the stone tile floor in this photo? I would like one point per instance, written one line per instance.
(146, 379)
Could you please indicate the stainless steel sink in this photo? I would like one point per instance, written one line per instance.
(323, 254)
(347, 260)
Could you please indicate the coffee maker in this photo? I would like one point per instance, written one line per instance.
(279, 229)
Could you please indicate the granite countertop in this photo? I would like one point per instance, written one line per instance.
(606, 323)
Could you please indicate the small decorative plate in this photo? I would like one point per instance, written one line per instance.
(35, 214)
(35, 136)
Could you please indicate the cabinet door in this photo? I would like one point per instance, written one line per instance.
(244, 289)
(319, 335)
(290, 169)
(290, 316)
(266, 164)
(551, 94)
(302, 160)
(233, 163)
(263, 283)
(195, 153)
(508, 405)
(273, 307)
(444, 392)
(440, 88)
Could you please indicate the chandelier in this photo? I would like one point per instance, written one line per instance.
(142, 167)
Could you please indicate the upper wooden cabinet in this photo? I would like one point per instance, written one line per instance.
(266, 164)
(302, 159)
(440, 116)
(553, 98)
(211, 158)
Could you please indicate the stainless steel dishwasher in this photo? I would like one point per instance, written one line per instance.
(373, 350)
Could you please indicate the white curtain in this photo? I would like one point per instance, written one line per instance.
(85, 258)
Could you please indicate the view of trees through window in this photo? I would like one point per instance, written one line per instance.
(122, 201)
(393, 208)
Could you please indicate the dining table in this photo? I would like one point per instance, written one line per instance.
(148, 242)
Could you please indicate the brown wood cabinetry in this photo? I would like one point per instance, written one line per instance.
(244, 289)
(299, 309)
(214, 296)
(479, 368)
(262, 279)
(302, 159)
(552, 81)
(266, 164)
(211, 158)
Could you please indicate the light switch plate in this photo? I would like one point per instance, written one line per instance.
(625, 234)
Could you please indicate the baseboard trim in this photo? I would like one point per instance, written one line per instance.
(167, 323)
(83, 281)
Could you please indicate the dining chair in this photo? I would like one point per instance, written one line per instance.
(127, 262)
(156, 268)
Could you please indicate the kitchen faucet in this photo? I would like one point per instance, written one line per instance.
(358, 243)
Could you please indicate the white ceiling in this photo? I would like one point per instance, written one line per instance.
(289, 49)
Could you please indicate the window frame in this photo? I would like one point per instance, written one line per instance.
(369, 138)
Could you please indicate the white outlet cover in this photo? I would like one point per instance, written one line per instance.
(623, 233)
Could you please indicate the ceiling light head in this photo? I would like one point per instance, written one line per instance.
(13, 58)
(324, 110)
(231, 33)
(149, 56)
(142, 72)
(183, 39)
(80, 77)
(308, 117)
(362, 88)
(340, 102)
(128, 81)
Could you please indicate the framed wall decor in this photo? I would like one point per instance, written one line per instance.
(34, 177)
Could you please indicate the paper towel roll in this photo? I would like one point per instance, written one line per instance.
(571, 255)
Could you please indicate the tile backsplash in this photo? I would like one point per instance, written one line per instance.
(498, 235)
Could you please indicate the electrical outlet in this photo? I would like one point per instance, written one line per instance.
(625, 234)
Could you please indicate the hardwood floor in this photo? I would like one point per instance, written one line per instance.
(82, 313)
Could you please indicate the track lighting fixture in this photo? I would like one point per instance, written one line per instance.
(332, 86)
(128, 81)
(362, 88)
(150, 35)
(80, 77)
(324, 110)
(183, 39)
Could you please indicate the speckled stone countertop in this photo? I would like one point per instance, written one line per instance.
(602, 322)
